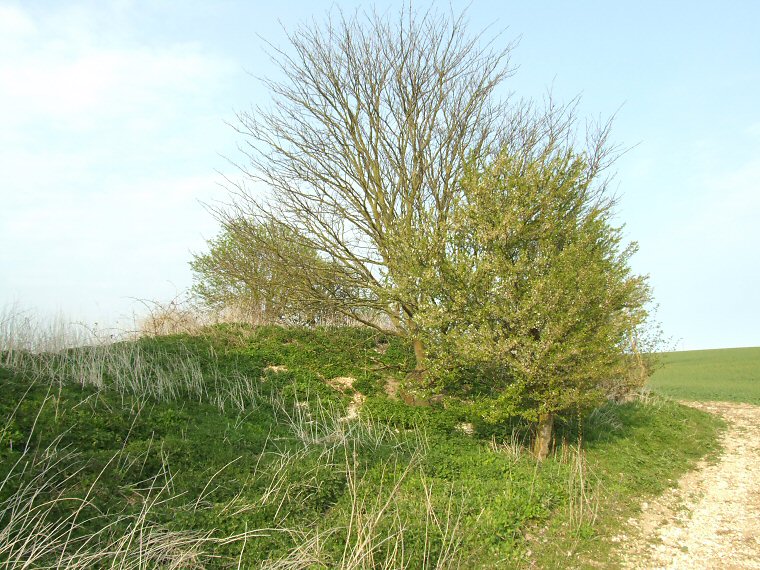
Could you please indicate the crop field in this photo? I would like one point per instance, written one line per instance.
(731, 374)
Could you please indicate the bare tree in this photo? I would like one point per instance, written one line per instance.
(371, 123)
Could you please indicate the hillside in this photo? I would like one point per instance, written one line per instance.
(281, 448)
(731, 374)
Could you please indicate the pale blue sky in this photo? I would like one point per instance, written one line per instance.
(112, 127)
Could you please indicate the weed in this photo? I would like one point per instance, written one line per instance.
(183, 451)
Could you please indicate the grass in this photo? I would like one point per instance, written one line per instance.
(231, 449)
(632, 452)
(731, 374)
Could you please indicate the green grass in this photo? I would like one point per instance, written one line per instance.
(633, 451)
(187, 451)
(731, 374)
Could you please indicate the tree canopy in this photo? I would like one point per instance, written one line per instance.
(537, 293)
(402, 191)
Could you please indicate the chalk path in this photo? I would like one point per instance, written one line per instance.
(712, 518)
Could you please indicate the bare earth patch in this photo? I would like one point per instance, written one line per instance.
(712, 519)
(344, 384)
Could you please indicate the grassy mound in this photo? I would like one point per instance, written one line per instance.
(239, 448)
(731, 374)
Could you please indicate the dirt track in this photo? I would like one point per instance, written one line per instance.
(712, 519)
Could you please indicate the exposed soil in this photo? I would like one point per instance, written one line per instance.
(276, 368)
(344, 384)
(712, 519)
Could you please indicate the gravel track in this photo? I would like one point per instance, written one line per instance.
(712, 518)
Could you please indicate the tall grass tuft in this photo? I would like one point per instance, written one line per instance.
(379, 530)
(59, 352)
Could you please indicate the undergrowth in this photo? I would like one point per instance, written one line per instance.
(233, 449)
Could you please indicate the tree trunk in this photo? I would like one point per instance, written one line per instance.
(543, 436)
(420, 357)
(415, 379)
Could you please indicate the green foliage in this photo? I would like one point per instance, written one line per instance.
(276, 455)
(544, 302)
(731, 374)
(248, 266)
(435, 421)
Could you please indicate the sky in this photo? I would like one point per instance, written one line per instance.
(115, 131)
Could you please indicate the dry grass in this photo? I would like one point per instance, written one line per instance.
(376, 532)
(185, 314)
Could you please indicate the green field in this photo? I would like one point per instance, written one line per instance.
(730, 374)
